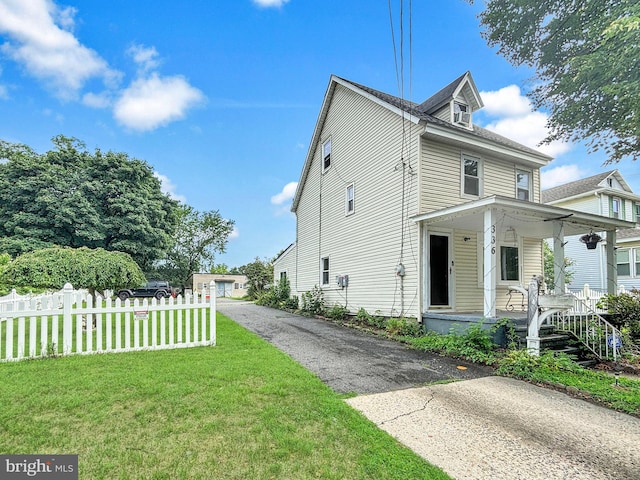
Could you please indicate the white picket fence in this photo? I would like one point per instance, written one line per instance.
(589, 298)
(72, 322)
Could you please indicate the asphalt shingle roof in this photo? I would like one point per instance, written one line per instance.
(572, 189)
(419, 111)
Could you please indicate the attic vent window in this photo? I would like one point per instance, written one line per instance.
(461, 114)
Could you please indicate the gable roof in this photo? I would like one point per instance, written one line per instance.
(448, 93)
(582, 187)
(414, 113)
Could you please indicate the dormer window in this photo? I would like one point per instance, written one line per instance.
(461, 114)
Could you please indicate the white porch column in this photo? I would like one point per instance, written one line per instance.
(490, 263)
(558, 257)
(612, 267)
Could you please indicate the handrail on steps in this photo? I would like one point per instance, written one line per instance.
(594, 331)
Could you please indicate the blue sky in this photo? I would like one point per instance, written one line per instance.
(221, 98)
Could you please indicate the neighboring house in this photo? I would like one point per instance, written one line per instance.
(605, 194)
(412, 210)
(226, 285)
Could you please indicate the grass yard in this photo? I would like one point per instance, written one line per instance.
(239, 410)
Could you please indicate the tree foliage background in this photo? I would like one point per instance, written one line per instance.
(197, 238)
(71, 197)
(586, 54)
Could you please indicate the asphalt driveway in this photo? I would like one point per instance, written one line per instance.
(483, 428)
(347, 360)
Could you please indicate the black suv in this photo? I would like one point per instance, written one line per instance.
(155, 288)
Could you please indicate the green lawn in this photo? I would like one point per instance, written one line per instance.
(239, 410)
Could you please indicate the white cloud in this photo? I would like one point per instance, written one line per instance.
(270, 3)
(167, 186)
(145, 57)
(155, 101)
(39, 38)
(286, 194)
(235, 233)
(559, 175)
(4, 94)
(514, 119)
(506, 101)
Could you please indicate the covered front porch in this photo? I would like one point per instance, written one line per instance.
(475, 253)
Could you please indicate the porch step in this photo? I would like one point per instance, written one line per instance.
(556, 342)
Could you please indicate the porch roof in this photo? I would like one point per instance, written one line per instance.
(529, 219)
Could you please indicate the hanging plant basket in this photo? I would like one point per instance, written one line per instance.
(591, 240)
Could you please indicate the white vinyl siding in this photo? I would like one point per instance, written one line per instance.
(364, 246)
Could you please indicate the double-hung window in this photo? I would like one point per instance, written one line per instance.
(523, 185)
(326, 155)
(637, 212)
(471, 176)
(622, 260)
(350, 200)
(615, 207)
(324, 265)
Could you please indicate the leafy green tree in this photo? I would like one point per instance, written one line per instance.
(259, 274)
(71, 197)
(586, 55)
(549, 267)
(198, 236)
(220, 268)
(94, 269)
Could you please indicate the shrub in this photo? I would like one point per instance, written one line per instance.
(275, 296)
(475, 345)
(625, 310)
(291, 303)
(337, 312)
(404, 327)
(312, 302)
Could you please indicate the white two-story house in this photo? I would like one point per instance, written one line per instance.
(606, 194)
(409, 209)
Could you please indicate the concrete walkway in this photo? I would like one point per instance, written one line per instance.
(483, 428)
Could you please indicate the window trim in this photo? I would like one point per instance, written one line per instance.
(463, 175)
(636, 262)
(529, 173)
(347, 210)
(326, 158)
(628, 262)
(518, 246)
(325, 272)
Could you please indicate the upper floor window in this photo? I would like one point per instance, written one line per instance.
(471, 176)
(461, 114)
(523, 185)
(326, 154)
(350, 200)
(324, 265)
(615, 207)
(637, 211)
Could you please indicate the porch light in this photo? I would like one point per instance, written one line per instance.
(591, 240)
(510, 235)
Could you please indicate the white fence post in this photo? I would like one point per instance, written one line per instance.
(212, 311)
(67, 326)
